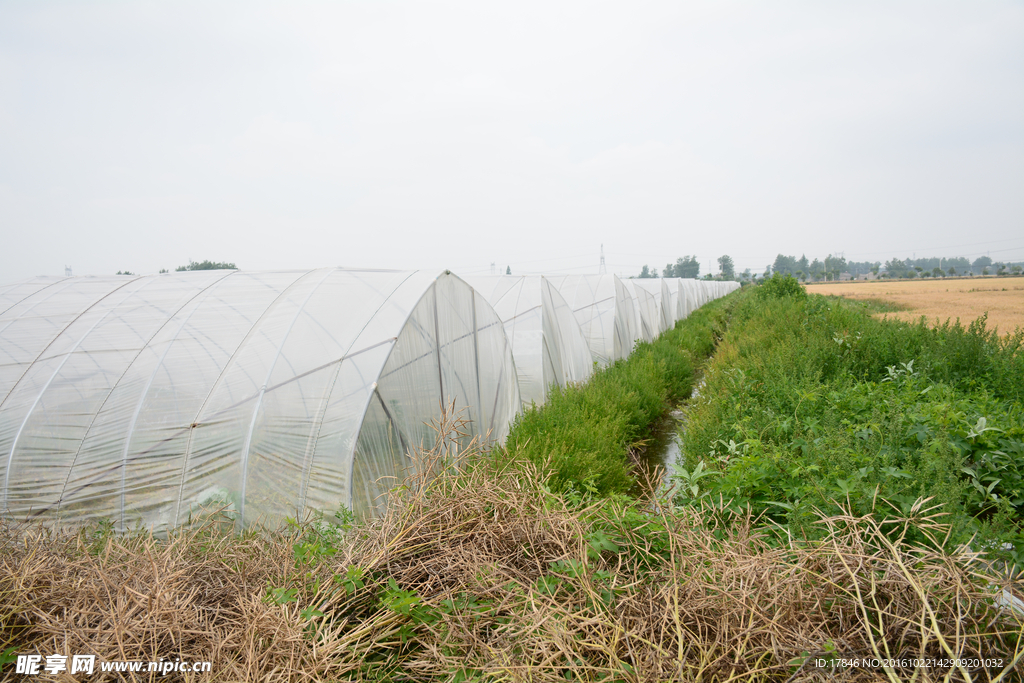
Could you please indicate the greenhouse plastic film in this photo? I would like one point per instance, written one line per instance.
(148, 400)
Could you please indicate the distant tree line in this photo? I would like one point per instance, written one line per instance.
(934, 267)
(194, 265)
(833, 267)
(206, 265)
(829, 269)
(687, 266)
(837, 267)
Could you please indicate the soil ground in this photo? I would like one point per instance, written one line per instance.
(938, 300)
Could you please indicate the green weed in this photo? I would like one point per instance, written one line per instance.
(584, 433)
(811, 405)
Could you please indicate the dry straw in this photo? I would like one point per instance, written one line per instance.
(487, 575)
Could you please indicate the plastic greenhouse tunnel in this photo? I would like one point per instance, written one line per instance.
(605, 312)
(547, 343)
(647, 312)
(146, 399)
(658, 289)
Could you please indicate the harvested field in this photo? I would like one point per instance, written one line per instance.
(938, 300)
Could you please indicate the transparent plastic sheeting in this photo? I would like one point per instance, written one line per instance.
(677, 298)
(142, 399)
(646, 312)
(663, 314)
(604, 309)
(145, 399)
(547, 343)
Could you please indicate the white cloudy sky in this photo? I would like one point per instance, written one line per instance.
(139, 135)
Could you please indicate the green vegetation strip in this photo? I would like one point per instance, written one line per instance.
(582, 436)
(813, 405)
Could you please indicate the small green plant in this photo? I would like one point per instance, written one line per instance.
(98, 534)
(598, 542)
(904, 372)
(689, 482)
(352, 581)
(8, 656)
(547, 585)
(281, 595)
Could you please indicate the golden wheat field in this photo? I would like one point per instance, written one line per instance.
(938, 300)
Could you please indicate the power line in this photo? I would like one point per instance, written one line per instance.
(931, 248)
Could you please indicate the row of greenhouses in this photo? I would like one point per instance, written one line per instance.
(146, 400)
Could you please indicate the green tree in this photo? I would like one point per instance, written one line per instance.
(784, 264)
(727, 268)
(647, 272)
(206, 265)
(687, 266)
(817, 269)
(508, 270)
(834, 265)
(125, 272)
(895, 268)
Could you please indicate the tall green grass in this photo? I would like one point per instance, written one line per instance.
(583, 435)
(812, 404)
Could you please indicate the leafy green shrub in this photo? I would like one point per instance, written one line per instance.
(779, 285)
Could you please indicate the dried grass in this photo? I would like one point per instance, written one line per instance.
(538, 589)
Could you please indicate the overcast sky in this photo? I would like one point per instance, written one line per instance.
(140, 135)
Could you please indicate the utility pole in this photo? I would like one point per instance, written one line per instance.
(601, 269)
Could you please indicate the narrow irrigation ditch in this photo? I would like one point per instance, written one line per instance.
(592, 436)
(658, 458)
